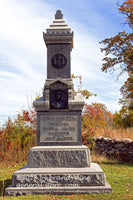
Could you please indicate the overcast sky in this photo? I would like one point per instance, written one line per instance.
(23, 51)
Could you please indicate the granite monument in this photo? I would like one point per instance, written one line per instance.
(59, 164)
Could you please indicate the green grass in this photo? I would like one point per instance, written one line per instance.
(120, 177)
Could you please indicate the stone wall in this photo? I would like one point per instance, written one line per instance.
(121, 149)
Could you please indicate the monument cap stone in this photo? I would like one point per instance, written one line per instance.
(58, 31)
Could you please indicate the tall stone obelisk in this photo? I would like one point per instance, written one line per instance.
(59, 164)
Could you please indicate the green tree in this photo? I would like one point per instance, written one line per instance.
(119, 53)
(122, 118)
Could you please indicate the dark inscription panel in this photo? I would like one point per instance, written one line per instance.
(58, 128)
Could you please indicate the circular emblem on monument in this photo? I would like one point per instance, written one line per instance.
(58, 61)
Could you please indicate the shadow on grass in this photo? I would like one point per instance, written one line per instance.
(4, 184)
(111, 160)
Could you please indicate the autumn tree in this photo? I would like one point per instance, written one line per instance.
(95, 116)
(119, 53)
(18, 136)
(122, 119)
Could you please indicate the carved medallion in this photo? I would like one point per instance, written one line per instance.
(58, 61)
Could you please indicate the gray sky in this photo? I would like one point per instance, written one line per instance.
(23, 51)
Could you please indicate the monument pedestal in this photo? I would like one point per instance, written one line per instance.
(59, 164)
(58, 170)
(59, 156)
(58, 181)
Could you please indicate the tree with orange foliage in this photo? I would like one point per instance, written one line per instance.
(119, 52)
(95, 116)
(18, 136)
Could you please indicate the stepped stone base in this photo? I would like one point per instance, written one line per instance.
(59, 156)
(58, 181)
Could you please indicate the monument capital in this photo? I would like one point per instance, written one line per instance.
(58, 32)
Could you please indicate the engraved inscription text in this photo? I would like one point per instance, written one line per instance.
(58, 128)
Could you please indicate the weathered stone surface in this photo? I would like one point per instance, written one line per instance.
(12, 191)
(58, 84)
(59, 128)
(58, 32)
(54, 72)
(62, 156)
(73, 105)
(58, 181)
(82, 176)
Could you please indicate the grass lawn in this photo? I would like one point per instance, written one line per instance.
(120, 177)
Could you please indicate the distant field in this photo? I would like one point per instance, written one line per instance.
(115, 133)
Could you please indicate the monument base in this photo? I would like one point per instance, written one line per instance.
(59, 156)
(59, 181)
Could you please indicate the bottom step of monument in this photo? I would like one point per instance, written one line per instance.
(59, 190)
(37, 181)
